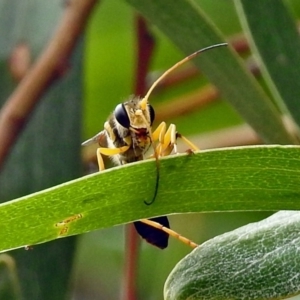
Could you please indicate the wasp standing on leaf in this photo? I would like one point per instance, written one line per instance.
(126, 138)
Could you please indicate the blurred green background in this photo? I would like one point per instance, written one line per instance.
(109, 57)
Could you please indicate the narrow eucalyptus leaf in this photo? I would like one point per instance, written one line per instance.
(190, 29)
(274, 37)
(233, 179)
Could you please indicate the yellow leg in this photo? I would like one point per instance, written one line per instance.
(170, 232)
(164, 138)
(188, 142)
(167, 140)
(108, 152)
(100, 160)
(167, 151)
(159, 133)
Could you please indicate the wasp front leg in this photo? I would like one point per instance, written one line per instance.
(110, 151)
(167, 140)
(192, 146)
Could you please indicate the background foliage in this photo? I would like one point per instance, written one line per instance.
(109, 60)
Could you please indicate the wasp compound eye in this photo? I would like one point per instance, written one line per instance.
(152, 114)
(122, 116)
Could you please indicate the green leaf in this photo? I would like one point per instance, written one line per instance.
(274, 37)
(234, 179)
(257, 261)
(189, 29)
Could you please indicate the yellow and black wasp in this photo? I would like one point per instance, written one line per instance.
(127, 137)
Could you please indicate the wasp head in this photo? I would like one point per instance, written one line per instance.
(136, 113)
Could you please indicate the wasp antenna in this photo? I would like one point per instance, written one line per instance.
(157, 181)
(166, 73)
(156, 160)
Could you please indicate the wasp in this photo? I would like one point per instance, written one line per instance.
(127, 136)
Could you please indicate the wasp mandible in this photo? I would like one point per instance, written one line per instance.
(126, 138)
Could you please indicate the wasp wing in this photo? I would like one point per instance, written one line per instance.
(100, 139)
